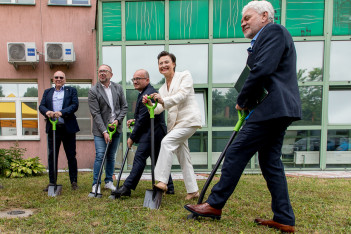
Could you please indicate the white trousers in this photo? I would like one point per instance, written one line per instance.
(176, 142)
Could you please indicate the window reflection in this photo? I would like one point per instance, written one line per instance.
(305, 18)
(339, 147)
(339, 107)
(132, 96)
(112, 56)
(341, 17)
(198, 149)
(193, 58)
(8, 90)
(301, 148)
(340, 58)
(311, 102)
(223, 107)
(8, 119)
(228, 62)
(309, 61)
(201, 100)
(143, 57)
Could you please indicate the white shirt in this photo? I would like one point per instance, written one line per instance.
(110, 100)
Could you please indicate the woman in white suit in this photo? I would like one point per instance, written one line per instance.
(178, 97)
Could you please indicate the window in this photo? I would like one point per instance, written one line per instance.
(111, 21)
(143, 57)
(19, 111)
(193, 58)
(340, 61)
(339, 107)
(309, 64)
(24, 2)
(224, 113)
(188, 19)
(69, 2)
(145, 20)
(339, 148)
(305, 18)
(112, 56)
(228, 62)
(83, 113)
(341, 17)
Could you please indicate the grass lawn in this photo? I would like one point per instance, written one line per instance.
(320, 206)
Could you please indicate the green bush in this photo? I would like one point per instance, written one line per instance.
(13, 165)
(24, 167)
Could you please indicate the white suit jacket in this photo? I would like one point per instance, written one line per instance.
(179, 100)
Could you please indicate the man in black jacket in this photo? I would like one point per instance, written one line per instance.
(272, 59)
(61, 102)
(142, 134)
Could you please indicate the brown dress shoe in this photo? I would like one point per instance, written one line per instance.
(204, 210)
(162, 186)
(276, 225)
(192, 195)
(74, 186)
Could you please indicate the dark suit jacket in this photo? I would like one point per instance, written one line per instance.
(69, 106)
(100, 107)
(273, 67)
(142, 131)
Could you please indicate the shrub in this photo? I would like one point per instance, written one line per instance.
(13, 165)
(24, 167)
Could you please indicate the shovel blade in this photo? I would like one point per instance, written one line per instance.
(153, 199)
(52, 192)
(98, 195)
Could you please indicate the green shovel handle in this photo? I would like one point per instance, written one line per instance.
(241, 118)
(110, 133)
(131, 124)
(151, 108)
(53, 123)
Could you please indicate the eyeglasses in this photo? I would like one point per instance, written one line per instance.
(137, 79)
(104, 71)
(59, 77)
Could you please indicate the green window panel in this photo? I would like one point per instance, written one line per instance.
(111, 21)
(188, 19)
(342, 17)
(227, 17)
(145, 20)
(305, 18)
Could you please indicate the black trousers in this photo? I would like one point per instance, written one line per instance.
(266, 138)
(69, 144)
(139, 163)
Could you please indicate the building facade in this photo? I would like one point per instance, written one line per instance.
(206, 37)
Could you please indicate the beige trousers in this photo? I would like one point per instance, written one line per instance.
(176, 142)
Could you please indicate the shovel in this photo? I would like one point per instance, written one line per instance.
(153, 197)
(54, 190)
(113, 195)
(96, 194)
(241, 115)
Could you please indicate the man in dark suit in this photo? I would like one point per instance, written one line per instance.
(107, 105)
(61, 102)
(141, 134)
(272, 60)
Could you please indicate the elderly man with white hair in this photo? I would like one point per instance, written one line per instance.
(272, 63)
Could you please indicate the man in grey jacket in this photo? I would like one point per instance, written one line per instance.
(107, 106)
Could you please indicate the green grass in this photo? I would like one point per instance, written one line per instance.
(320, 206)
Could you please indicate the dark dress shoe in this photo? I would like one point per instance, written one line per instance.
(204, 210)
(122, 191)
(276, 225)
(74, 186)
(47, 187)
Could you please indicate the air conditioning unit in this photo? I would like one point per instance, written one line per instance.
(59, 53)
(22, 53)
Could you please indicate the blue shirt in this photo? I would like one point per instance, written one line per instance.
(57, 101)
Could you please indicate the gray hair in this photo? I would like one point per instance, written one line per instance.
(260, 7)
